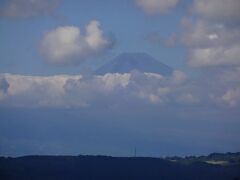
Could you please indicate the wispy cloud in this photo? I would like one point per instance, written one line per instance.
(220, 11)
(156, 6)
(27, 8)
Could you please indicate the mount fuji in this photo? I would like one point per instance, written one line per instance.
(127, 62)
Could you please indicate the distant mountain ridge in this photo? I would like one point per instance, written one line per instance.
(127, 62)
(115, 168)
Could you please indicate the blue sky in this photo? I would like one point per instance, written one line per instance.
(52, 103)
(130, 35)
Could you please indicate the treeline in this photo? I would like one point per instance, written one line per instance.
(111, 168)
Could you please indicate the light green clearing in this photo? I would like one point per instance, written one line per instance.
(217, 162)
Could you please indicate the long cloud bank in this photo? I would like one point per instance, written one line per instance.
(119, 89)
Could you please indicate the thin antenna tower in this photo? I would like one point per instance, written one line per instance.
(135, 151)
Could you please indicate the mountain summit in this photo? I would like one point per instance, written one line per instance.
(127, 62)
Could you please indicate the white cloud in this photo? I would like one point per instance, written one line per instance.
(203, 34)
(178, 77)
(59, 90)
(156, 6)
(77, 91)
(27, 8)
(213, 35)
(3, 87)
(210, 44)
(94, 37)
(206, 57)
(35, 90)
(66, 45)
(232, 97)
(111, 81)
(120, 89)
(188, 98)
(223, 11)
(231, 75)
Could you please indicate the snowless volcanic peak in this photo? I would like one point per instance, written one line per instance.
(127, 62)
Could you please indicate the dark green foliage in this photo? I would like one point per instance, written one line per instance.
(111, 168)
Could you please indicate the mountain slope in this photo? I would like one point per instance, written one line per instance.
(128, 62)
